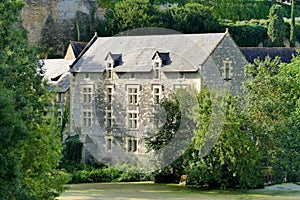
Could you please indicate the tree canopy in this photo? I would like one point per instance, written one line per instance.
(31, 141)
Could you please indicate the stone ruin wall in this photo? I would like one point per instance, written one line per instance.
(55, 22)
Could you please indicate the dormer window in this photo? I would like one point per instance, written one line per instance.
(109, 71)
(159, 59)
(156, 70)
(112, 60)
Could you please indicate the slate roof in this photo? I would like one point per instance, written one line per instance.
(77, 47)
(186, 52)
(56, 73)
(285, 54)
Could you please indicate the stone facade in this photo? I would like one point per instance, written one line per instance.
(113, 96)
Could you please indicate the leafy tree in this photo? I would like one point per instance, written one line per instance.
(191, 18)
(272, 106)
(32, 141)
(129, 14)
(234, 160)
(276, 26)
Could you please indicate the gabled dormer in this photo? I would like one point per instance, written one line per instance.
(111, 61)
(159, 59)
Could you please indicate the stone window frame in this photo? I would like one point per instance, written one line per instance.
(87, 93)
(227, 70)
(109, 143)
(87, 118)
(156, 93)
(132, 119)
(60, 97)
(109, 73)
(133, 94)
(132, 145)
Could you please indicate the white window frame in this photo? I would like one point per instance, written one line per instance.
(132, 94)
(109, 143)
(132, 120)
(156, 95)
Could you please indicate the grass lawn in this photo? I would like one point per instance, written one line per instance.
(148, 190)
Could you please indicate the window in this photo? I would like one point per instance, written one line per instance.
(132, 120)
(86, 75)
(59, 115)
(109, 98)
(87, 118)
(227, 65)
(181, 75)
(133, 95)
(109, 144)
(132, 145)
(132, 75)
(87, 94)
(156, 70)
(60, 97)
(156, 94)
(109, 71)
(108, 119)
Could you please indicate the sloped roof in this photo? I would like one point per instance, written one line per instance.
(77, 47)
(285, 54)
(56, 73)
(186, 51)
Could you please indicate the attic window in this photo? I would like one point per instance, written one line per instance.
(227, 70)
(56, 78)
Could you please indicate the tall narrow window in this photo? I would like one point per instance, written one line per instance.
(132, 145)
(87, 118)
(156, 94)
(227, 65)
(109, 71)
(156, 70)
(108, 119)
(132, 120)
(108, 144)
(132, 95)
(87, 94)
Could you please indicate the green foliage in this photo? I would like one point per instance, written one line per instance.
(32, 144)
(247, 34)
(191, 18)
(276, 27)
(272, 104)
(118, 173)
(293, 24)
(234, 160)
(128, 14)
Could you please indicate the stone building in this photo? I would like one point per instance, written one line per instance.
(116, 81)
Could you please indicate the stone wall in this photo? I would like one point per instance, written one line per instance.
(55, 22)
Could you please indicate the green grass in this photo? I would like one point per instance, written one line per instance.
(148, 190)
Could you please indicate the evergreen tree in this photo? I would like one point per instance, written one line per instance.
(276, 26)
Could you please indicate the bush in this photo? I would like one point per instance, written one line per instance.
(119, 173)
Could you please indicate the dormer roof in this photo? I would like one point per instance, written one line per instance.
(164, 56)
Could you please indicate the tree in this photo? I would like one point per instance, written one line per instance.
(129, 14)
(234, 160)
(191, 18)
(293, 24)
(276, 26)
(272, 104)
(32, 141)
